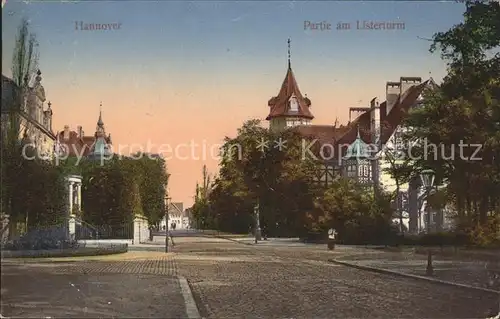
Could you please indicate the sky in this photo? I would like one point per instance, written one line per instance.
(180, 73)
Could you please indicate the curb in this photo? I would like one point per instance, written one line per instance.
(400, 274)
(191, 307)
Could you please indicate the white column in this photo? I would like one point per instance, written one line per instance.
(71, 221)
(79, 197)
(70, 198)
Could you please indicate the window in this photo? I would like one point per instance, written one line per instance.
(351, 170)
(294, 104)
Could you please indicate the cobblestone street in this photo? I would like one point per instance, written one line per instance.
(233, 280)
(96, 291)
(229, 280)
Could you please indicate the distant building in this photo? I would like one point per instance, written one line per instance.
(76, 143)
(35, 118)
(176, 216)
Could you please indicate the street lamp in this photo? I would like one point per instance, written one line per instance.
(427, 177)
(258, 235)
(167, 199)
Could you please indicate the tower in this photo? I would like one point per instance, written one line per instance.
(101, 149)
(289, 108)
(357, 164)
(99, 131)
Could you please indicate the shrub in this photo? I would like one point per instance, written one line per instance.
(314, 237)
(43, 239)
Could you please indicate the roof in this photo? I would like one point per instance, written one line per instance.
(358, 149)
(176, 208)
(389, 122)
(344, 136)
(323, 133)
(76, 144)
(280, 104)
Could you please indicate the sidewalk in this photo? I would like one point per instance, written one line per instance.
(48, 291)
(465, 272)
(462, 253)
(285, 242)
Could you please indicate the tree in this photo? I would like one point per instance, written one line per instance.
(121, 189)
(18, 173)
(465, 110)
(397, 171)
(25, 57)
(259, 166)
(354, 211)
(152, 183)
(202, 210)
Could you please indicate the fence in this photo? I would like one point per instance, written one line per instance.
(119, 231)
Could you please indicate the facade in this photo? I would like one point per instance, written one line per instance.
(176, 216)
(76, 143)
(356, 164)
(35, 118)
(356, 150)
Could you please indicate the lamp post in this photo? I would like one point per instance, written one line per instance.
(427, 176)
(167, 199)
(258, 235)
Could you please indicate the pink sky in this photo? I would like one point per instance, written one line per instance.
(177, 116)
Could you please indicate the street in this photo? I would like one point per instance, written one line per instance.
(228, 280)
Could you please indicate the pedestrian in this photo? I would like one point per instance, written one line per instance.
(332, 233)
(150, 232)
(171, 238)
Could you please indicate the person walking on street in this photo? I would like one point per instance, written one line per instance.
(332, 233)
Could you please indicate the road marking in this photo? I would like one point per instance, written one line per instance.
(191, 308)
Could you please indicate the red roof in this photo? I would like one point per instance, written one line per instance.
(341, 137)
(280, 104)
(78, 145)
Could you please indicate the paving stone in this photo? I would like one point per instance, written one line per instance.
(290, 282)
(103, 291)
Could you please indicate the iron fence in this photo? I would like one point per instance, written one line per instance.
(118, 231)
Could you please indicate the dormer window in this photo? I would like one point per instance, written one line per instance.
(294, 104)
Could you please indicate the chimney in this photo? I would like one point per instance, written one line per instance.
(80, 132)
(392, 91)
(66, 132)
(407, 82)
(374, 119)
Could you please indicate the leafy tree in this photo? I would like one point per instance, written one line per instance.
(257, 168)
(121, 189)
(465, 110)
(152, 185)
(354, 211)
(202, 209)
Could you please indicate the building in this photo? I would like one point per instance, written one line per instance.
(76, 143)
(27, 104)
(347, 153)
(289, 108)
(176, 216)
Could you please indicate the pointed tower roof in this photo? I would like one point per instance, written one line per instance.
(100, 123)
(280, 104)
(358, 149)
